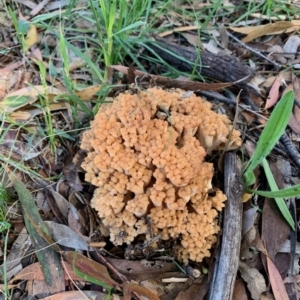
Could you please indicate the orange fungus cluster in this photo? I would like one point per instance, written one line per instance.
(145, 155)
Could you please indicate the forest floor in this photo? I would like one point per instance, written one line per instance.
(60, 61)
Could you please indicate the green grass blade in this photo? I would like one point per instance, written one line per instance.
(293, 191)
(279, 201)
(85, 58)
(130, 27)
(249, 178)
(272, 132)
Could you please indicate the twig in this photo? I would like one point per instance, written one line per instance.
(290, 149)
(228, 258)
(247, 99)
(122, 278)
(254, 51)
(216, 96)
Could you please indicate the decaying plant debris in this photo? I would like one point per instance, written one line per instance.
(134, 222)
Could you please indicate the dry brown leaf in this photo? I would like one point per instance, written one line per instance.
(294, 26)
(90, 268)
(276, 52)
(79, 295)
(248, 256)
(274, 18)
(255, 281)
(266, 30)
(293, 123)
(248, 219)
(34, 272)
(179, 29)
(25, 116)
(65, 236)
(296, 110)
(88, 92)
(239, 292)
(267, 296)
(276, 281)
(275, 229)
(286, 75)
(291, 46)
(192, 38)
(273, 96)
(8, 286)
(16, 253)
(12, 67)
(141, 291)
(39, 7)
(17, 150)
(136, 270)
(62, 203)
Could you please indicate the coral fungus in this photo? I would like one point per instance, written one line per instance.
(146, 157)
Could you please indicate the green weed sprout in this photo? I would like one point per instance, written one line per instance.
(4, 197)
(272, 132)
(115, 21)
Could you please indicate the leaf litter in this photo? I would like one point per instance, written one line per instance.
(64, 204)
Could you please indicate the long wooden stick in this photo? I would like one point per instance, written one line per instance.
(228, 258)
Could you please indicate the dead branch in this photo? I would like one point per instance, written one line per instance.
(228, 257)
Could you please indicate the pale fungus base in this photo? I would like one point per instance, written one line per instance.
(146, 157)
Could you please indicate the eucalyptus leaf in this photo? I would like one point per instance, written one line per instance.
(15, 101)
(279, 201)
(272, 132)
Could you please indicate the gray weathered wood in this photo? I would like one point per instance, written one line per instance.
(228, 257)
(223, 68)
